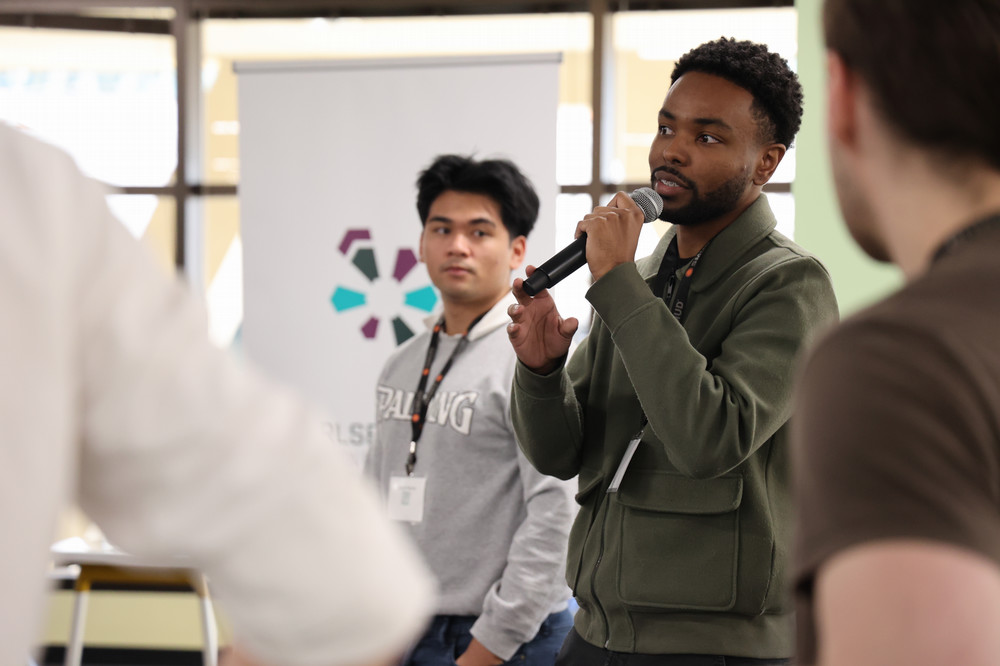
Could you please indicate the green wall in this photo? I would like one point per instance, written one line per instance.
(818, 226)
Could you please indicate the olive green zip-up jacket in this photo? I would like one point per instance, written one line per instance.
(690, 554)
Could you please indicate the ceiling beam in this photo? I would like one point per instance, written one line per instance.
(75, 6)
(83, 22)
(353, 8)
(349, 8)
(26, 12)
(649, 5)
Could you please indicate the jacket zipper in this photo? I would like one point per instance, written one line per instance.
(593, 578)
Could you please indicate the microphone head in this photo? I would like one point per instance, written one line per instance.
(649, 201)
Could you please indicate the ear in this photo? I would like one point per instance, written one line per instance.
(842, 98)
(420, 247)
(518, 246)
(770, 158)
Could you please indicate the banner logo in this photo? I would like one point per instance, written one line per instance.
(363, 259)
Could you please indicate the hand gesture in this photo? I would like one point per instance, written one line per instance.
(612, 234)
(540, 337)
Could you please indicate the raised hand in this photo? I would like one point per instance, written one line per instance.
(540, 336)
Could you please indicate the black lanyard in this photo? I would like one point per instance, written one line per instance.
(423, 396)
(666, 278)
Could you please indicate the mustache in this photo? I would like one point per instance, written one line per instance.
(676, 175)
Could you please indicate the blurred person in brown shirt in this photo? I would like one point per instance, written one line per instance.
(897, 433)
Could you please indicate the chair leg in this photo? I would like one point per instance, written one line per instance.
(210, 649)
(74, 648)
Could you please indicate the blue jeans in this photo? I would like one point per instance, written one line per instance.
(448, 637)
(578, 652)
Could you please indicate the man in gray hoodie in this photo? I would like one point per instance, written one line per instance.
(491, 527)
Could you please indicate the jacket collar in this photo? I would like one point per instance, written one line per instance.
(754, 224)
(494, 318)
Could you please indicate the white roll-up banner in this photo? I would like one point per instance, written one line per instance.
(329, 155)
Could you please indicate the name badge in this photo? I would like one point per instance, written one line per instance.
(623, 465)
(406, 498)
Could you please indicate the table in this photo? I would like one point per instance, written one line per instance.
(103, 565)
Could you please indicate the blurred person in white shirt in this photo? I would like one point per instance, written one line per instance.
(112, 396)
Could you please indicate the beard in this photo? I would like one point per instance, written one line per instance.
(856, 210)
(709, 206)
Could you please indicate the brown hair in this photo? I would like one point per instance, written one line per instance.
(933, 67)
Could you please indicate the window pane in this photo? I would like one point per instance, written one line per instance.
(223, 268)
(647, 44)
(570, 294)
(228, 41)
(783, 205)
(108, 99)
(151, 218)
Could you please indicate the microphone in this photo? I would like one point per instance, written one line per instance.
(574, 255)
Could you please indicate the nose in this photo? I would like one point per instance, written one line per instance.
(674, 150)
(458, 245)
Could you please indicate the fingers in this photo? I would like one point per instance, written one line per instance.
(516, 329)
(600, 214)
(517, 288)
(567, 327)
(516, 312)
(625, 208)
(623, 200)
(619, 210)
(590, 221)
(513, 331)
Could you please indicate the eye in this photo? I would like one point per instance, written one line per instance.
(440, 229)
(708, 138)
(480, 233)
(664, 130)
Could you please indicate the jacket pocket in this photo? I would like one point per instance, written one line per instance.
(679, 541)
(589, 485)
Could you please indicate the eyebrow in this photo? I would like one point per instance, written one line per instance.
(448, 220)
(702, 122)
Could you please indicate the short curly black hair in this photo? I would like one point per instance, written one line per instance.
(776, 91)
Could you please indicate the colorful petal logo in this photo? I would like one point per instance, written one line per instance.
(363, 258)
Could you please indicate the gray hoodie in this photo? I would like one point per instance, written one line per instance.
(494, 530)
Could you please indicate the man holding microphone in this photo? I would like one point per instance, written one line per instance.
(673, 410)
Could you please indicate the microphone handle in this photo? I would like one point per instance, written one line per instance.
(569, 259)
